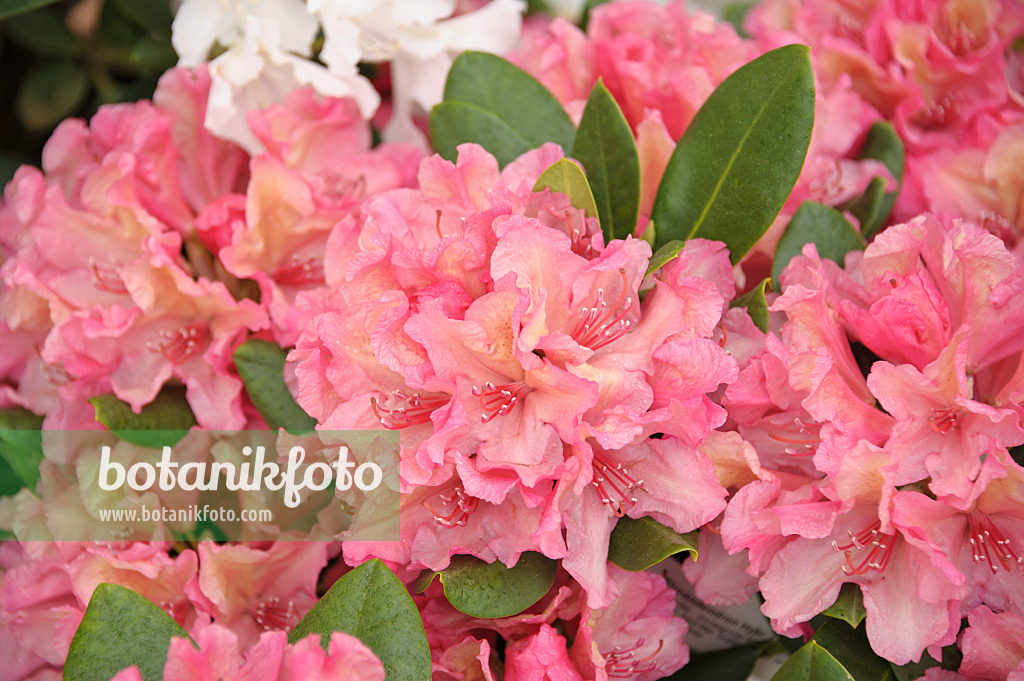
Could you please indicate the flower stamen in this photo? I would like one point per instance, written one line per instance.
(879, 548)
(989, 544)
(598, 325)
(182, 343)
(614, 484)
(498, 400)
(419, 410)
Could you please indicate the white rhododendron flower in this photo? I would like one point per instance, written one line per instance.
(420, 39)
(257, 72)
(201, 24)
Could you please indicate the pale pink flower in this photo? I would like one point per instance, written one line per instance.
(993, 645)
(252, 590)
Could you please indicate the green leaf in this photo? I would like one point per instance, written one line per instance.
(489, 101)
(884, 144)
(587, 9)
(732, 664)
(150, 15)
(565, 176)
(756, 304)
(482, 589)
(837, 651)
(868, 207)
(153, 55)
(10, 161)
(607, 149)
(738, 160)
(50, 93)
(1017, 453)
(849, 605)
(10, 8)
(260, 363)
(43, 32)
(120, 628)
(164, 421)
(825, 227)
(664, 254)
(371, 604)
(637, 544)
(736, 14)
(951, 659)
(21, 444)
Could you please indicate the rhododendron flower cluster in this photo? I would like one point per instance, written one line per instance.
(567, 395)
(897, 480)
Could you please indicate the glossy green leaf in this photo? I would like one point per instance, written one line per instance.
(153, 16)
(867, 207)
(849, 605)
(607, 149)
(565, 176)
(163, 421)
(120, 628)
(495, 104)
(738, 160)
(731, 664)
(21, 444)
(587, 9)
(825, 227)
(482, 589)
(371, 604)
(756, 304)
(637, 544)
(10, 8)
(665, 254)
(42, 31)
(736, 14)
(951, 659)
(260, 363)
(836, 652)
(153, 55)
(882, 144)
(50, 93)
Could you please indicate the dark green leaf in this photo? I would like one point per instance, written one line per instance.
(162, 422)
(260, 363)
(736, 14)
(607, 149)
(482, 589)
(868, 207)
(740, 157)
(665, 254)
(733, 664)
(43, 32)
(825, 227)
(566, 177)
(812, 663)
(836, 652)
(371, 604)
(423, 581)
(489, 101)
(849, 605)
(153, 55)
(153, 16)
(10, 482)
(850, 647)
(587, 9)
(9, 164)
(50, 93)
(951, 659)
(756, 304)
(884, 144)
(120, 628)
(21, 444)
(10, 8)
(637, 544)
(1017, 453)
